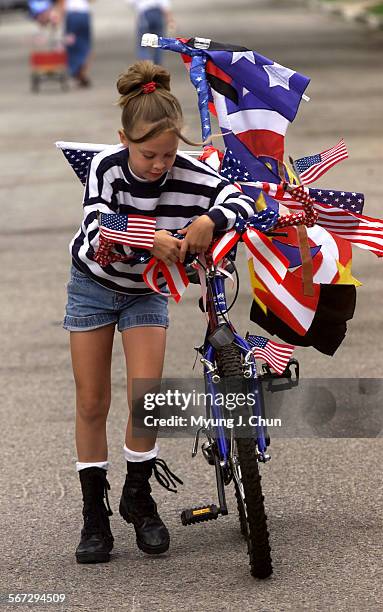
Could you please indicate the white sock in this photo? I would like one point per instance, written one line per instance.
(100, 464)
(136, 456)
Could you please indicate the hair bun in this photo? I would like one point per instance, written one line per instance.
(130, 83)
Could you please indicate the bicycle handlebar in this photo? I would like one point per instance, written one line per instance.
(143, 256)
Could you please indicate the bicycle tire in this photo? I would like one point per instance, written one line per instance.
(251, 509)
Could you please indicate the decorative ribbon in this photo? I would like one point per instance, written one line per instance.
(269, 263)
(270, 259)
(286, 192)
(175, 276)
(212, 157)
(263, 221)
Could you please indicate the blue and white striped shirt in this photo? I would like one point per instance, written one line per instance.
(189, 190)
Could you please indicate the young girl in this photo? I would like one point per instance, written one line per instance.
(144, 175)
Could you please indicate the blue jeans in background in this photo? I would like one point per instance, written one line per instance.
(79, 26)
(151, 21)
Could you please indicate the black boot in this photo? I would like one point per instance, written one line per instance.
(138, 507)
(96, 537)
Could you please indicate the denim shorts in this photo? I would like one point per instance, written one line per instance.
(91, 305)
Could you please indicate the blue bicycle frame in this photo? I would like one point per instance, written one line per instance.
(216, 306)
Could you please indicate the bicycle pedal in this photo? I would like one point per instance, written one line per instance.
(198, 515)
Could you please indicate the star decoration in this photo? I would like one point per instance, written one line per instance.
(260, 203)
(278, 75)
(345, 275)
(257, 286)
(237, 55)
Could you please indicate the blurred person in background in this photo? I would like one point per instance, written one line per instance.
(43, 12)
(153, 16)
(78, 33)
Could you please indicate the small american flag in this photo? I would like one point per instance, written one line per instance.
(364, 232)
(132, 230)
(347, 200)
(312, 167)
(276, 355)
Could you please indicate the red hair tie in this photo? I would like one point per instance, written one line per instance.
(149, 87)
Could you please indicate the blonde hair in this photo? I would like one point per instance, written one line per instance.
(160, 108)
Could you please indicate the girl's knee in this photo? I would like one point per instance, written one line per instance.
(93, 409)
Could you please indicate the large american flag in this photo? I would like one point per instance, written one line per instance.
(312, 167)
(254, 98)
(133, 230)
(276, 355)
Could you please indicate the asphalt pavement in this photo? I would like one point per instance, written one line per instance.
(323, 495)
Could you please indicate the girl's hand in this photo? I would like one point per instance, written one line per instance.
(198, 236)
(165, 247)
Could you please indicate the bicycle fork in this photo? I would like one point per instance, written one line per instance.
(218, 450)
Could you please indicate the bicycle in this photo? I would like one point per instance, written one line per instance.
(228, 361)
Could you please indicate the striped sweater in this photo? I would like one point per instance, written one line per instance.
(188, 190)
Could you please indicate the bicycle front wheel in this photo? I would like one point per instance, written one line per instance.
(247, 480)
(251, 508)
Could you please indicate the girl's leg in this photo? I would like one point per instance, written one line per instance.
(91, 360)
(144, 349)
(144, 352)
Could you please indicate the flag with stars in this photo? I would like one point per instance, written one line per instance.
(235, 171)
(347, 200)
(312, 167)
(254, 98)
(133, 230)
(360, 230)
(79, 155)
(276, 355)
(275, 86)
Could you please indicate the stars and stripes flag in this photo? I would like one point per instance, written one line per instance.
(276, 355)
(347, 200)
(362, 231)
(235, 171)
(253, 97)
(312, 167)
(131, 230)
(79, 155)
